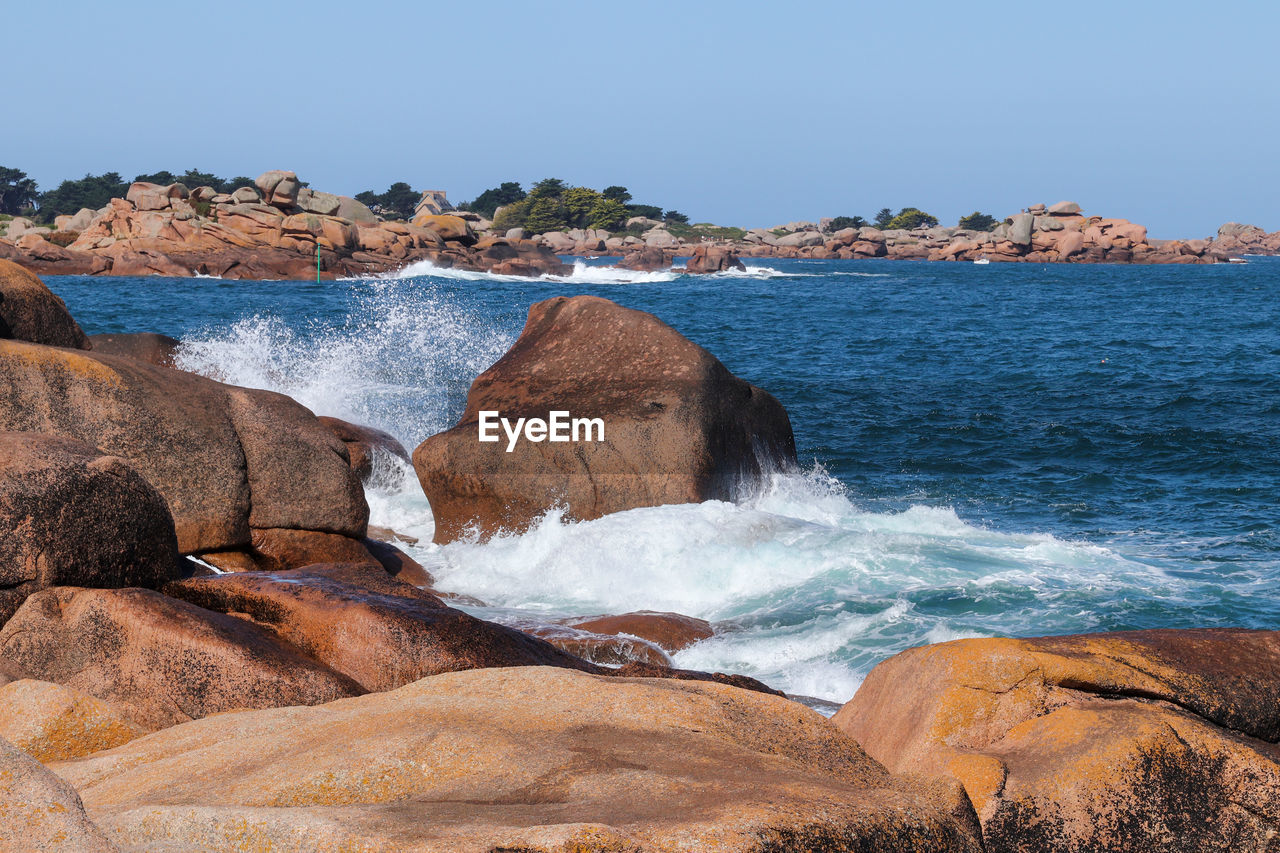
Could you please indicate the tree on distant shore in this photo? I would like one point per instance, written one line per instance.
(978, 222)
(91, 191)
(842, 222)
(17, 191)
(193, 178)
(909, 218)
(400, 201)
(675, 216)
(488, 202)
(616, 193)
(648, 211)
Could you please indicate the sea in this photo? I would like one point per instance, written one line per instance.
(1001, 450)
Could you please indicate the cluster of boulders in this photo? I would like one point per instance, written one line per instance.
(275, 229)
(201, 647)
(1234, 240)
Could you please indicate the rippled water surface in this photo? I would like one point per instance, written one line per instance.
(1008, 449)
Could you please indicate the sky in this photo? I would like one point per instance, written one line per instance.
(743, 113)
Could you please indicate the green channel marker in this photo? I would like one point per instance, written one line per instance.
(317, 262)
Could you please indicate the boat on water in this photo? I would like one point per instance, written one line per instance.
(982, 260)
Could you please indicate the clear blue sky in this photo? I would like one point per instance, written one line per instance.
(752, 114)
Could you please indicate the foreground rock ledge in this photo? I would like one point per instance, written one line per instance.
(1142, 740)
(530, 759)
(678, 426)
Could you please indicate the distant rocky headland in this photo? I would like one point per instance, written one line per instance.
(280, 228)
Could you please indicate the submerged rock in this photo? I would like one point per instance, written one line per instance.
(528, 758)
(677, 426)
(1116, 741)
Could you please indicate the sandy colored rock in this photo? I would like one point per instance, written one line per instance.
(41, 812)
(225, 458)
(50, 722)
(530, 759)
(447, 226)
(29, 311)
(678, 426)
(158, 660)
(71, 515)
(1102, 742)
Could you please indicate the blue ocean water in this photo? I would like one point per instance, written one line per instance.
(998, 450)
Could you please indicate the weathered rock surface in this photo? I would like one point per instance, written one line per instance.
(712, 259)
(158, 660)
(363, 443)
(227, 460)
(50, 722)
(143, 346)
(41, 812)
(356, 620)
(529, 759)
(1122, 741)
(29, 311)
(678, 426)
(71, 515)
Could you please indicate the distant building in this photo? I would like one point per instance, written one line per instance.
(433, 202)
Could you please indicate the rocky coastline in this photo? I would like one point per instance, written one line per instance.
(282, 229)
(205, 646)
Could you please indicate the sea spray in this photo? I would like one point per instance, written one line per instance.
(811, 581)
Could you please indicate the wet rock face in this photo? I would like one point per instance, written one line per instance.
(677, 426)
(29, 311)
(1103, 742)
(363, 443)
(71, 515)
(525, 758)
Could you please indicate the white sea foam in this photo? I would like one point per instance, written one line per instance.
(806, 589)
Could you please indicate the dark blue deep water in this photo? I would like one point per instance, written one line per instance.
(1019, 449)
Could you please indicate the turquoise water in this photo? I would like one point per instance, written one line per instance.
(1009, 449)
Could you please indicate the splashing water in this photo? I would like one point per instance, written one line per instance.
(809, 581)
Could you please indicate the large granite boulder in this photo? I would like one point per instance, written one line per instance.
(229, 461)
(1119, 741)
(41, 812)
(677, 426)
(528, 758)
(29, 311)
(72, 515)
(158, 660)
(448, 226)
